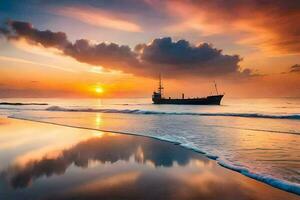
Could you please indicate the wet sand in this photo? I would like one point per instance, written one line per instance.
(43, 161)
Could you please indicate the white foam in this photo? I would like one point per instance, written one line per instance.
(277, 183)
(137, 111)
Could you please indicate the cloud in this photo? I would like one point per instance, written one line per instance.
(82, 50)
(18, 29)
(99, 17)
(181, 57)
(111, 55)
(162, 55)
(11, 59)
(272, 25)
(295, 68)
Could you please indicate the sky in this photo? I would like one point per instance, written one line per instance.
(118, 48)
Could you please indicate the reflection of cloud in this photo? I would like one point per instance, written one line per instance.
(106, 183)
(105, 149)
(13, 144)
(99, 17)
(201, 182)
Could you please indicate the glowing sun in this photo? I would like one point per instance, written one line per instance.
(99, 90)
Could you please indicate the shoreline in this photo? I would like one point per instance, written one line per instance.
(280, 184)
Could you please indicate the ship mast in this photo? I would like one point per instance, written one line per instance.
(216, 88)
(160, 87)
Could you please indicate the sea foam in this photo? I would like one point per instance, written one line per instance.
(277, 183)
(149, 112)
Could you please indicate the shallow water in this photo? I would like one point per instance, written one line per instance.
(259, 135)
(42, 161)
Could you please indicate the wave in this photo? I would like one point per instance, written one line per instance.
(272, 181)
(149, 112)
(277, 183)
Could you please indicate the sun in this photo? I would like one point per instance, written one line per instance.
(99, 90)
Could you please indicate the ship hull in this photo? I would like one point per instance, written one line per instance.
(209, 100)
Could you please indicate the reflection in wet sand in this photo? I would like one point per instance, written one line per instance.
(108, 148)
(114, 166)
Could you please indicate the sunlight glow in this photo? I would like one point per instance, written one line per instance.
(98, 90)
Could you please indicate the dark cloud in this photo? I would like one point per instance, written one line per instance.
(182, 58)
(295, 68)
(110, 55)
(165, 51)
(46, 38)
(173, 59)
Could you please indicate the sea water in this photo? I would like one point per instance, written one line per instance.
(259, 138)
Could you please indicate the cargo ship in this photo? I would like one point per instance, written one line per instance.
(158, 98)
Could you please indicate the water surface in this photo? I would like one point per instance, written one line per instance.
(261, 136)
(41, 161)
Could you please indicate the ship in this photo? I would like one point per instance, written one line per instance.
(158, 98)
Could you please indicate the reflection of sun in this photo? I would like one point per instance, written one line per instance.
(98, 134)
(98, 120)
(98, 89)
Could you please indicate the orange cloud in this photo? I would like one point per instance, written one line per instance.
(99, 17)
(270, 25)
(19, 60)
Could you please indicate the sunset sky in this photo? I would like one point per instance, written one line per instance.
(117, 48)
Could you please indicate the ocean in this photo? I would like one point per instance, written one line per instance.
(259, 138)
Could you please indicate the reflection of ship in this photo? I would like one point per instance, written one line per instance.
(158, 98)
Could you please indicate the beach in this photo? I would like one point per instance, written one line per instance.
(147, 99)
(258, 138)
(46, 161)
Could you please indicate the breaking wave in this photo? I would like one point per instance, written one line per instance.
(149, 112)
(275, 182)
